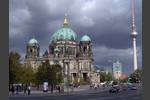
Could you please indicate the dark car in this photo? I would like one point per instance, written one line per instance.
(114, 90)
(133, 87)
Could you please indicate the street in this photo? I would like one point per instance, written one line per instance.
(84, 95)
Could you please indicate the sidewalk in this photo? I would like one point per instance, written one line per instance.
(80, 90)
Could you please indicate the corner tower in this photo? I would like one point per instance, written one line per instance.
(85, 46)
(32, 49)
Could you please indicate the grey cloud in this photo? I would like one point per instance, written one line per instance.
(107, 22)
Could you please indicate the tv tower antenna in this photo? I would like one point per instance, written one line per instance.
(134, 34)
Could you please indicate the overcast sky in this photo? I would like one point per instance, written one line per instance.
(107, 22)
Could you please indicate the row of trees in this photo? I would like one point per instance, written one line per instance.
(15, 70)
(105, 76)
(136, 76)
(50, 73)
(19, 73)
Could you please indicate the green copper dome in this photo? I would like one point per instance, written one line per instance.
(85, 38)
(64, 33)
(33, 41)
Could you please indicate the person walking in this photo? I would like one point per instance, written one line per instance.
(72, 87)
(25, 88)
(62, 89)
(29, 90)
(59, 88)
(12, 89)
(17, 89)
(51, 88)
(95, 86)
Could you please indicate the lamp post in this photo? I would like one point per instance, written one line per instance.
(67, 69)
(67, 74)
(99, 75)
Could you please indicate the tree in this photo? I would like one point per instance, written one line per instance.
(56, 74)
(109, 76)
(28, 75)
(50, 73)
(105, 76)
(102, 77)
(136, 76)
(41, 73)
(14, 68)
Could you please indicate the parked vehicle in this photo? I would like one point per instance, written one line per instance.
(133, 87)
(114, 90)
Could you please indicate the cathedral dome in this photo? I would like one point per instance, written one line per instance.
(64, 33)
(33, 41)
(85, 38)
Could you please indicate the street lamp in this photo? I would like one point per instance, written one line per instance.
(67, 69)
(67, 74)
(98, 71)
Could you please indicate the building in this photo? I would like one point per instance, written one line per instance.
(75, 57)
(117, 70)
(124, 76)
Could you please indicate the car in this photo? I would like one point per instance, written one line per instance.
(133, 87)
(114, 90)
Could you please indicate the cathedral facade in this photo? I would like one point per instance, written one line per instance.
(75, 57)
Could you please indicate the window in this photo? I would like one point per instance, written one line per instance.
(31, 50)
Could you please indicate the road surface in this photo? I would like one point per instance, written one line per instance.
(84, 95)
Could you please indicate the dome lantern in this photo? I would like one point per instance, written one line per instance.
(85, 38)
(33, 41)
(65, 21)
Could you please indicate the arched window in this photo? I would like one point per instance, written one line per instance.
(84, 48)
(31, 50)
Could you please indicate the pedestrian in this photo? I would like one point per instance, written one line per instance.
(95, 86)
(72, 87)
(17, 89)
(22, 87)
(25, 88)
(12, 89)
(62, 89)
(51, 88)
(29, 90)
(91, 86)
(59, 88)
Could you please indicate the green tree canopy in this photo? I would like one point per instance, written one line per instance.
(14, 68)
(28, 75)
(50, 73)
(109, 76)
(136, 76)
(105, 76)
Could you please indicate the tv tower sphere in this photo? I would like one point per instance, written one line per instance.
(134, 34)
